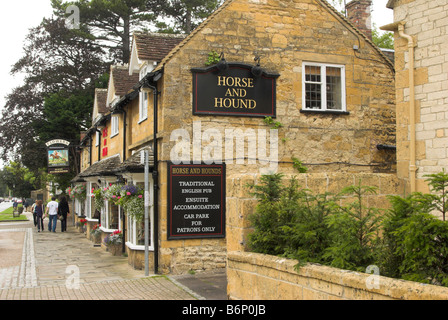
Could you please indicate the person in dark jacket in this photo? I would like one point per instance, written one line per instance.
(39, 215)
(63, 211)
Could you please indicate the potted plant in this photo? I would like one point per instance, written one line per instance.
(95, 234)
(81, 224)
(114, 242)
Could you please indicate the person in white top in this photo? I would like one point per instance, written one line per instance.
(52, 211)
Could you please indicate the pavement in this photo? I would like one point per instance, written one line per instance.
(66, 266)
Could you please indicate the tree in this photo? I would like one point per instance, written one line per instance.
(19, 179)
(439, 184)
(383, 40)
(187, 14)
(56, 59)
(111, 22)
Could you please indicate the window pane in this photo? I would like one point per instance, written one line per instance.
(140, 232)
(312, 73)
(313, 96)
(334, 89)
(113, 217)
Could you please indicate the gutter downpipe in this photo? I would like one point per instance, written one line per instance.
(90, 150)
(155, 175)
(412, 146)
(124, 133)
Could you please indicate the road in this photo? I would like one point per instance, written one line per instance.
(5, 205)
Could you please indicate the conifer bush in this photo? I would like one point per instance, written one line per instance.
(407, 241)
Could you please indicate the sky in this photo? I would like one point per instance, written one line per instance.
(21, 15)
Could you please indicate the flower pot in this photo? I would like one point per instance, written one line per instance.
(115, 249)
(96, 239)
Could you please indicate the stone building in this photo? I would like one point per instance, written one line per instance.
(421, 63)
(295, 81)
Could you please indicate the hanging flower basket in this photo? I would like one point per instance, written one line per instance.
(113, 193)
(98, 198)
(132, 201)
(79, 192)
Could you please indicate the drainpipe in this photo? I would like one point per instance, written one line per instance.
(155, 175)
(124, 134)
(412, 144)
(90, 150)
(412, 162)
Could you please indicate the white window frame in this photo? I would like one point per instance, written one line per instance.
(105, 218)
(323, 68)
(143, 106)
(97, 139)
(143, 97)
(114, 126)
(131, 237)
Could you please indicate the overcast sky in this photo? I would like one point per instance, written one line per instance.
(21, 15)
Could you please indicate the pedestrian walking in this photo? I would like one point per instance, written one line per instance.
(52, 211)
(63, 211)
(39, 209)
(33, 210)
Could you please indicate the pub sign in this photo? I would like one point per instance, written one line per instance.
(58, 156)
(196, 201)
(235, 91)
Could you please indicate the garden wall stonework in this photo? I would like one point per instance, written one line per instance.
(263, 277)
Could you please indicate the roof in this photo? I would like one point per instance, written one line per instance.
(133, 163)
(226, 3)
(123, 82)
(155, 46)
(77, 179)
(101, 168)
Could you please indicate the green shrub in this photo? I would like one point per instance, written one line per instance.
(354, 231)
(389, 257)
(423, 242)
(406, 241)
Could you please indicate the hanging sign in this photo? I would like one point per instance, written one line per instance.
(235, 91)
(58, 156)
(196, 201)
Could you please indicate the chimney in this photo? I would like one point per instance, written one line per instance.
(359, 14)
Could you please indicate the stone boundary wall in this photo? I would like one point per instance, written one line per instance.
(264, 277)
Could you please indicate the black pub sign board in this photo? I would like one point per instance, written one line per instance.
(196, 201)
(235, 91)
